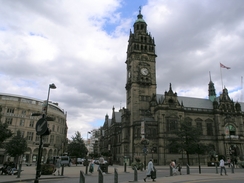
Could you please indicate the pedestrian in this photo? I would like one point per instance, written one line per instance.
(172, 164)
(150, 170)
(179, 168)
(91, 168)
(228, 160)
(222, 166)
(57, 165)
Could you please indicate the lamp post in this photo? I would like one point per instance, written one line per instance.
(199, 165)
(41, 128)
(87, 153)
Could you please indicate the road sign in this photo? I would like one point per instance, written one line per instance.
(41, 126)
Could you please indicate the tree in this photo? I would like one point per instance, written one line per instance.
(186, 138)
(77, 146)
(16, 146)
(5, 133)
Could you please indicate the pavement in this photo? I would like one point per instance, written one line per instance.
(29, 172)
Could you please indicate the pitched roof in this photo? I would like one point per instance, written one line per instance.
(191, 102)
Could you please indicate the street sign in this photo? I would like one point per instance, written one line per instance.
(41, 126)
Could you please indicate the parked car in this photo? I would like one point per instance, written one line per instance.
(65, 160)
(96, 161)
(80, 160)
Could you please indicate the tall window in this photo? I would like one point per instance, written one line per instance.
(9, 121)
(31, 124)
(199, 125)
(30, 136)
(22, 133)
(209, 129)
(51, 139)
(37, 138)
(22, 122)
(172, 124)
(45, 139)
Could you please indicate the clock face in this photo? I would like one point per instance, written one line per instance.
(144, 71)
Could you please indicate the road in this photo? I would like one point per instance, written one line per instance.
(162, 175)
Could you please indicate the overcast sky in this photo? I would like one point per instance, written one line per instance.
(80, 46)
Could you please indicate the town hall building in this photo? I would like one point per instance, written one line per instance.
(143, 127)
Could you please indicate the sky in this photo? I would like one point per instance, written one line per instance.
(81, 47)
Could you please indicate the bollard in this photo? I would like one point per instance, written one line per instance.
(100, 175)
(82, 177)
(135, 174)
(232, 168)
(124, 167)
(19, 171)
(170, 171)
(216, 167)
(62, 170)
(199, 169)
(187, 169)
(115, 175)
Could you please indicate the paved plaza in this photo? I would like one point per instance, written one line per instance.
(28, 174)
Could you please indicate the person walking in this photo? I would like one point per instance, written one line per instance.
(57, 165)
(222, 166)
(150, 170)
(91, 168)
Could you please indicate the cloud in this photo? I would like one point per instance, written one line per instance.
(81, 47)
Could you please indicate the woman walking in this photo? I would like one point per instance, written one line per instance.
(150, 170)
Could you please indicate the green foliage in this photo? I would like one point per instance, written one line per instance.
(77, 146)
(5, 133)
(47, 169)
(187, 139)
(240, 164)
(138, 165)
(16, 146)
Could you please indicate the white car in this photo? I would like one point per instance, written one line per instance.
(80, 160)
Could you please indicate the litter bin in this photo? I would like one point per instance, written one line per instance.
(104, 167)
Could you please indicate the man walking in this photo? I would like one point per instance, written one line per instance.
(222, 166)
(57, 165)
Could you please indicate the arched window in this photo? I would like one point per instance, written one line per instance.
(199, 125)
(230, 130)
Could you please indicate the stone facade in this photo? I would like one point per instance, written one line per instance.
(17, 112)
(149, 118)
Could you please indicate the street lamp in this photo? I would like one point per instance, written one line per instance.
(41, 129)
(87, 152)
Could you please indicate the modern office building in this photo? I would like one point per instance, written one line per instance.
(18, 112)
(149, 118)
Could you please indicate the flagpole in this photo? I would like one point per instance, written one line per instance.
(221, 76)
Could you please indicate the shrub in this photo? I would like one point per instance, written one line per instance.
(138, 165)
(47, 169)
(240, 164)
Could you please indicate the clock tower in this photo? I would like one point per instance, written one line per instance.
(141, 74)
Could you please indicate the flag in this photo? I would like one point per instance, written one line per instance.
(223, 66)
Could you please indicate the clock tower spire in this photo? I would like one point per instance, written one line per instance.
(141, 72)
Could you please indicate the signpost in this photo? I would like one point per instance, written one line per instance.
(41, 126)
(42, 130)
